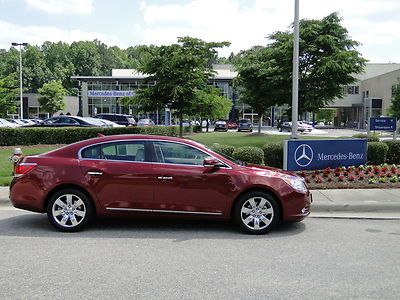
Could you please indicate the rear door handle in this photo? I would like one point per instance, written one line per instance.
(95, 173)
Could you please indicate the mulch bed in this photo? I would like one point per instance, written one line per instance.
(361, 177)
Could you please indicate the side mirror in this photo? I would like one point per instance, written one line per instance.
(211, 163)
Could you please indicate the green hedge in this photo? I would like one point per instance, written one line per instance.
(370, 137)
(393, 154)
(273, 155)
(67, 135)
(249, 154)
(224, 149)
(377, 152)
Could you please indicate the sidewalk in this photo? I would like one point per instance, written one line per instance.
(371, 203)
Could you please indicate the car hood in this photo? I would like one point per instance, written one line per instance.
(268, 171)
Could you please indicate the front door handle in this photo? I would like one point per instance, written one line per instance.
(165, 177)
(95, 173)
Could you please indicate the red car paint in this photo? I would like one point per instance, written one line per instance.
(152, 186)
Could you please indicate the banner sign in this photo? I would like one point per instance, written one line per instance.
(383, 124)
(319, 154)
(110, 94)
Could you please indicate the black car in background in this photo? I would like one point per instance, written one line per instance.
(245, 125)
(66, 121)
(126, 120)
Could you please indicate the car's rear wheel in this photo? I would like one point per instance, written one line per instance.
(256, 212)
(69, 210)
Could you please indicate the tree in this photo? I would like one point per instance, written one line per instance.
(8, 93)
(328, 60)
(256, 81)
(52, 96)
(325, 115)
(58, 60)
(394, 109)
(179, 70)
(209, 104)
(85, 58)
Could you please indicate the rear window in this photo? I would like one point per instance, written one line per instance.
(244, 121)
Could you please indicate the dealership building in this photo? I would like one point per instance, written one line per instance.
(370, 95)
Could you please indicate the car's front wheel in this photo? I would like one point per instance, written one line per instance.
(256, 212)
(69, 210)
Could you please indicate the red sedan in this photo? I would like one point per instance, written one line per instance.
(138, 174)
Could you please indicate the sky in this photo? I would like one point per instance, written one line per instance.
(244, 23)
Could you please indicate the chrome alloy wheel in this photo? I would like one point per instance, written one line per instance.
(69, 210)
(257, 213)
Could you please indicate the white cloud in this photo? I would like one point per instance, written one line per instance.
(36, 35)
(62, 7)
(370, 22)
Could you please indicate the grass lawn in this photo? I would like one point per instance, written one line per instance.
(6, 165)
(239, 139)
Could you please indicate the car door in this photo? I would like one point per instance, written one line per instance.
(120, 175)
(185, 185)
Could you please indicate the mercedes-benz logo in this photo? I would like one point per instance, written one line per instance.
(303, 155)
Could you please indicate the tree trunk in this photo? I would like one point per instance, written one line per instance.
(260, 116)
(207, 125)
(180, 125)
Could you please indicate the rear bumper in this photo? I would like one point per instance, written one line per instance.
(25, 194)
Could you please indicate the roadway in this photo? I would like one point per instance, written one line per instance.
(165, 259)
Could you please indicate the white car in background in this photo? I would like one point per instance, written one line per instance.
(110, 123)
(5, 123)
(304, 126)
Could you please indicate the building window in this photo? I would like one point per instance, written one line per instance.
(351, 90)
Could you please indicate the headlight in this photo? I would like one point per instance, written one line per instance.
(296, 183)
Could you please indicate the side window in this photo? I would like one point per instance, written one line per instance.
(128, 151)
(91, 152)
(174, 153)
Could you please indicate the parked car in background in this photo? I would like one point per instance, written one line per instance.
(245, 125)
(69, 121)
(110, 123)
(301, 126)
(21, 122)
(5, 123)
(140, 174)
(97, 122)
(145, 122)
(221, 126)
(126, 120)
(232, 125)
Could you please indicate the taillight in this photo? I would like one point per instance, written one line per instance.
(23, 168)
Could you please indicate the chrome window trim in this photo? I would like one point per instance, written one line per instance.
(149, 162)
(163, 211)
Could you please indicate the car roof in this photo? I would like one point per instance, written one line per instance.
(71, 150)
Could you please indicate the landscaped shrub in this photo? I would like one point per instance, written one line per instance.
(273, 155)
(224, 149)
(377, 152)
(249, 154)
(393, 154)
(67, 135)
(370, 137)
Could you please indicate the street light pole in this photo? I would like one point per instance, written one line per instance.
(295, 82)
(20, 76)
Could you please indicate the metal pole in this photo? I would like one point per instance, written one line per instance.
(295, 83)
(20, 82)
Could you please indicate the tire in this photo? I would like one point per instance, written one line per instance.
(254, 218)
(239, 130)
(280, 129)
(69, 210)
